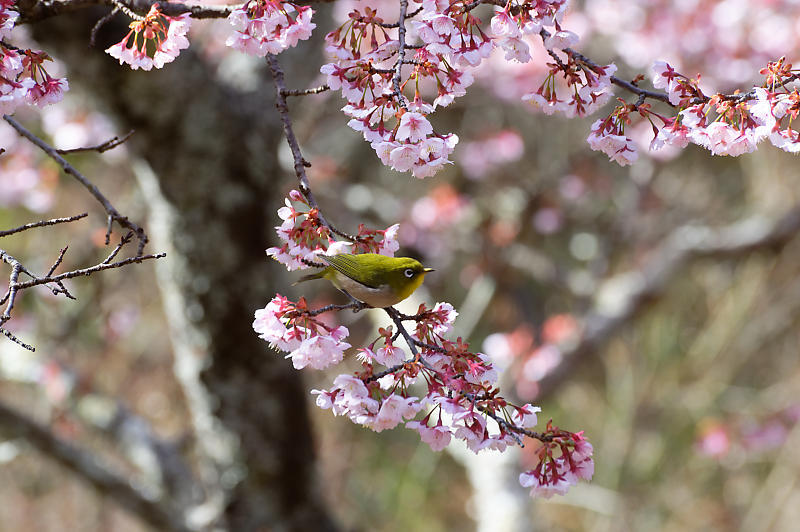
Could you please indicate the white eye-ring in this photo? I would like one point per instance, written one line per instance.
(409, 273)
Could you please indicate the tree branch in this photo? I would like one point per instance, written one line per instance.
(300, 164)
(640, 287)
(401, 54)
(42, 223)
(100, 148)
(113, 213)
(158, 514)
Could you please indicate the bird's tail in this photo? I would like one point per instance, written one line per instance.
(311, 277)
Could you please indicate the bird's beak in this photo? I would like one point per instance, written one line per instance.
(428, 270)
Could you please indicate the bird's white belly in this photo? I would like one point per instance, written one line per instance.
(376, 297)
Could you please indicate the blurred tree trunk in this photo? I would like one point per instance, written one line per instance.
(212, 150)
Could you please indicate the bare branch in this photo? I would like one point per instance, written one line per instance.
(100, 148)
(31, 11)
(88, 271)
(36, 11)
(99, 24)
(15, 286)
(43, 223)
(112, 212)
(638, 288)
(300, 164)
(110, 483)
(315, 90)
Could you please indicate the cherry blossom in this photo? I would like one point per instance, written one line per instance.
(305, 236)
(24, 80)
(458, 395)
(554, 475)
(8, 17)
(264, 27)
(165, 35)
(606, 136)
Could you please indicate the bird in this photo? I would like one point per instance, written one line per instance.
(376, 280)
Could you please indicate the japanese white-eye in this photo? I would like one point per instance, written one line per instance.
(376, 280)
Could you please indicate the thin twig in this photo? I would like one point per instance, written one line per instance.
(57, 262)
(99, 24)
(43, 223)
(300, 164)
(88, 271)
(100, 148)
(112, 212)
(298, 92)
(122, 241)
(355, 305)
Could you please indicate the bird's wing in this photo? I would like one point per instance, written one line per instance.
(348, 265)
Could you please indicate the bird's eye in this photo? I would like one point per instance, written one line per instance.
(409, 273)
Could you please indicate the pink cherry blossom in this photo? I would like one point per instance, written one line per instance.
(393, 411)
(413, 127)
(437, 437)
(165, 35)
(264, 27)
(8, 18)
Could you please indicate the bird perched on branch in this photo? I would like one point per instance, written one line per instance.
(377, 280)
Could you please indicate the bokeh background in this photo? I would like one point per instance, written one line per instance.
(691, 403)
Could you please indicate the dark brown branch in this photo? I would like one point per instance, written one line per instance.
(300, 164)
(15, 286)
(100, 148)
(102, 477)
(315, 90)
(355, 305)
(42, 223)
(644, 286)
(88, 271)
(112, 212)
(99, 24)
(36, 10)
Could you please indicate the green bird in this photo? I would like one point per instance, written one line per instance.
(376, 280)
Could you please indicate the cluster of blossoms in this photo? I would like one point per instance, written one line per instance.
(155, 33)
(269, 27)
(8, 17)
(292, 327)
(305, 235)
(554, 475)
(367, 69)
(733, 125)
(571, 87)
(722, 124)
(608, 136)
(776, 106)
(517, 19)
(397, 128)
(436, 386)
(587, 88)
(23, 78)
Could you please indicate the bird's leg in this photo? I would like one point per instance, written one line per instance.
(359, 305)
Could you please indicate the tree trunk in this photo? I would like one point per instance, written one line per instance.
(212, 151)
